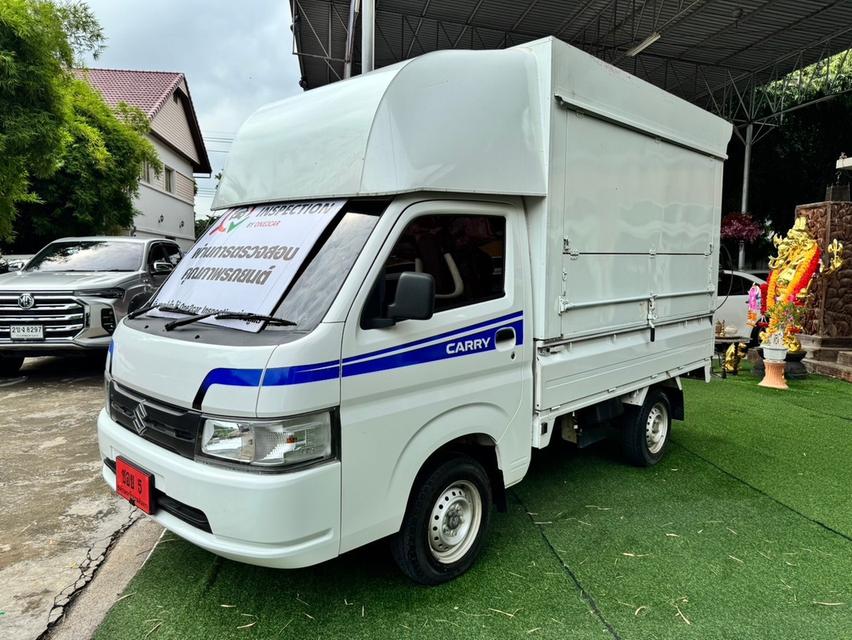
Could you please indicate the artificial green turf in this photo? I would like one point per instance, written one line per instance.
(518, 587)
(795, 446)
(685, 537)
(743, 531)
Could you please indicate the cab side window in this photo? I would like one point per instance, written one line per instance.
(465, 254)
(173, 253)
(156, 253)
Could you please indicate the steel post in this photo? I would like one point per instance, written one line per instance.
(368, 36)
(749, 138)
(354, 6)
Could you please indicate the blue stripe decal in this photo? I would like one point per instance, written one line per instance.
(479, 342)
(109, 357)
(280, 376)
(228, 377)
(452, 344)
(446, 334)
(232, 378)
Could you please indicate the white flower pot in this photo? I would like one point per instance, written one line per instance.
(773, 353)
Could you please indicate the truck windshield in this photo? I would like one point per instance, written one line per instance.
(88, 255)
(313, 290)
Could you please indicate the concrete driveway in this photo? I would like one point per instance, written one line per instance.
(57, 517)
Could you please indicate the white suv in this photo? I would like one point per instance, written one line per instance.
(732, 302)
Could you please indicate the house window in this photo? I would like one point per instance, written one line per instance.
(146, 172)
(170, 179)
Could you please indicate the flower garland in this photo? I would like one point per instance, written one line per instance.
(800, 280)
(804, 274)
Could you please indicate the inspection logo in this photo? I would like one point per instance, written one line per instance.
(229, 222)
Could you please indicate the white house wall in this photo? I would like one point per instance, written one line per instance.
(171, 124)
(176, 209)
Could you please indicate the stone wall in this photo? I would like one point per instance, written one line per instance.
(832, 317)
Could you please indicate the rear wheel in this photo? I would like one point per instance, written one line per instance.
(10, 365)
(647, 430)
(445, 523)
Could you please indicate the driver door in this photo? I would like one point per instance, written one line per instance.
(409, 388)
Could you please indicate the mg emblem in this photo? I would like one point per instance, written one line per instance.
(139, 415)
(26, 301)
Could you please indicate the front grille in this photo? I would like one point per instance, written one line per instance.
(167, 426)
(60, 314)
(178, 509)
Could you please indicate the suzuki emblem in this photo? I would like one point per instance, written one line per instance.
(26, 301)
(139, 415)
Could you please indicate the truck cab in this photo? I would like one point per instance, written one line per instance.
(454, 290)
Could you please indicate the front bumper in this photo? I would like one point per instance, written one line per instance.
(71, 324)
(40, 348)
(286, 521)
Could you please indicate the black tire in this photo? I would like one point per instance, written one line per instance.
(10, 365)
(413, 548)
(635, 430)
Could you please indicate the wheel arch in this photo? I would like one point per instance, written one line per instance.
(479, 446)
(673, 390)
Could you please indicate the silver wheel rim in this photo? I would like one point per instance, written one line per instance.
(454, 522)
(657, 428)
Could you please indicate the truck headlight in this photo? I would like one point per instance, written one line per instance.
(284, 442)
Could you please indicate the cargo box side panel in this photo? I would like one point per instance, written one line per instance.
(631, 193)
(583, 372)
(640, 223)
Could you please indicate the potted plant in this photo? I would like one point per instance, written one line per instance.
(773, 348)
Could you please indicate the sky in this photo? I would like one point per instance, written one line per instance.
(236, 55)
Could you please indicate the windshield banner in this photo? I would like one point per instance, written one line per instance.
(246, 260)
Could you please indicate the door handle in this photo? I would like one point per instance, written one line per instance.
(505, 338)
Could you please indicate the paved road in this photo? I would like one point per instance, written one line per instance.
(56, 514)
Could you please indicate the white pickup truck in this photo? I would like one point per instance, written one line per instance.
(469, 254)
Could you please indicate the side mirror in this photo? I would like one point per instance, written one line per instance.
(415, 297)
(163, 266)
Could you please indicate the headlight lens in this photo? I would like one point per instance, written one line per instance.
(113, 292)
(269, 442)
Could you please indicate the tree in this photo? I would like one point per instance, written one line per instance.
(38, 41)
(92, 190)
(34, 61)
(795, 162)
(203, 224)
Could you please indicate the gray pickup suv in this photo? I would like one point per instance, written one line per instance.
(69, 297)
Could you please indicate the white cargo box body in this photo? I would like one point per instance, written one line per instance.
(624, 248)
(621, 184)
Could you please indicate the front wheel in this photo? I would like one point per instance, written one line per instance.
(647, 430)
(444, 526)
(10, 365)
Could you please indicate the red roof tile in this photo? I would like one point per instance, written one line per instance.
(147, 90)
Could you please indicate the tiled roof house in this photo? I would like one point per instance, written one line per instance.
(165, 202)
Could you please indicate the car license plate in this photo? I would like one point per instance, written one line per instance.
(26, 332)
(134, 485)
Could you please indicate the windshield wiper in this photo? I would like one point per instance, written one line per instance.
(227, 315)
(150, 307)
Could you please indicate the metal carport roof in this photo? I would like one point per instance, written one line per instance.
(711, 52)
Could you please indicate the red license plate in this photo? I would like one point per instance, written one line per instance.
(135, 485)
